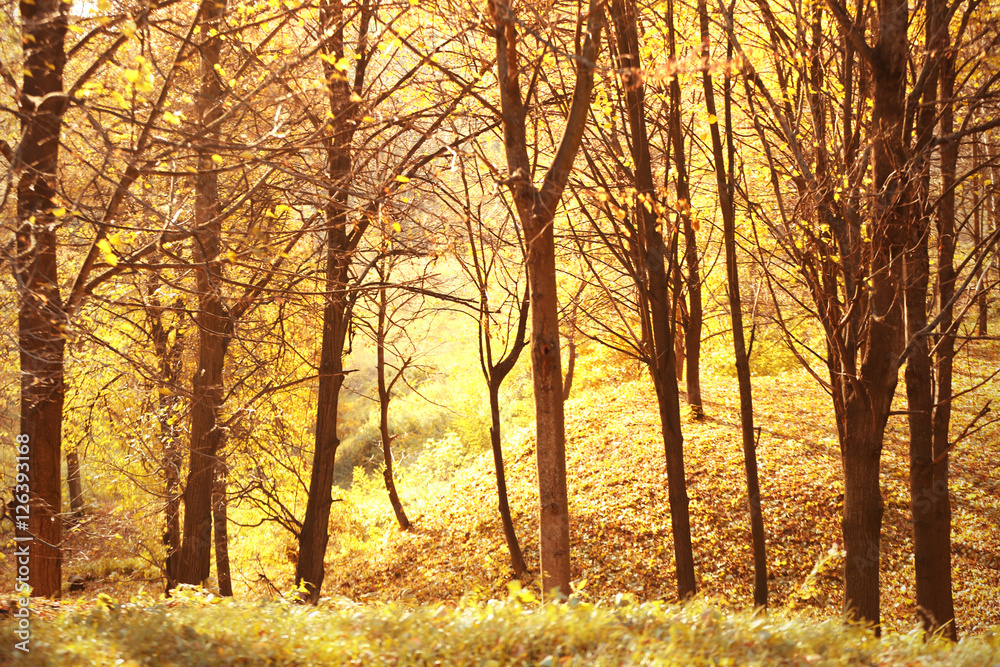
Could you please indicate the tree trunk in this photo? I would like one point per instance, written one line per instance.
(724, 187)
(173, 459)
(384, 397)
(536, 208)
(75, 483)
(213, 324)
(309, 570)
(40, 315)
(169, 354)
(935, 601)
(221, 530)
(658, 295)
(516, 557)
(549, 417)
(692, 330)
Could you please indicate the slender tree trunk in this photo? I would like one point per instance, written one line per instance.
(40, 314)
(220, 523)
(982, 318)
(516, 557)
(169, 346)
(571, 361)
(213, 324)
(692, 330)
(724, 187)
(75, 483)
(384, 397)
(660, 299)
(173, 459)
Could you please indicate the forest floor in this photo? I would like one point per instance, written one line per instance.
(620, 521)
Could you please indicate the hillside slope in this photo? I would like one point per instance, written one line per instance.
(620, 521)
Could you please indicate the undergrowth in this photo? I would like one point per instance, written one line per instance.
(197, 628)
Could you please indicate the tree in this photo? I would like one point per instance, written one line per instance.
(536, 209)
(724, 184)
(41, 315)
(345, 194)
(657, 265)
(489, 247)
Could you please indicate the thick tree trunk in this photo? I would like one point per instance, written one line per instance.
(213, 324)
(40, 315)
(549, 417)
(932, 508)
(309, 570)
(862, 522)
(866, 399)
(220, 523)
(658, 295)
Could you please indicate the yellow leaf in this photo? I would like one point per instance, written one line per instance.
(131, 75)
(191, 169)
(396, 228)
(171, 117)
(231, 256)
(109, 254)
(402, 179)
(247, 155)
(355, 97)
(164, 391)
(59, 212)
(217, 159)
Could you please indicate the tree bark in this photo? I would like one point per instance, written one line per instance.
(692, 330)
(220, 524)
(930, 416)
(658, 297)
(939, 603)
(747, 430)
(213, 321)
(340, 244)
(510, 535)
(75, 483)
(168, 345)
(536, 208)
(384, 397)
(41, 315)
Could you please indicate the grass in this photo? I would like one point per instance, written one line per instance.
(197, 629)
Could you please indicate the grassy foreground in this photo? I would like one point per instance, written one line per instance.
(199, 629)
